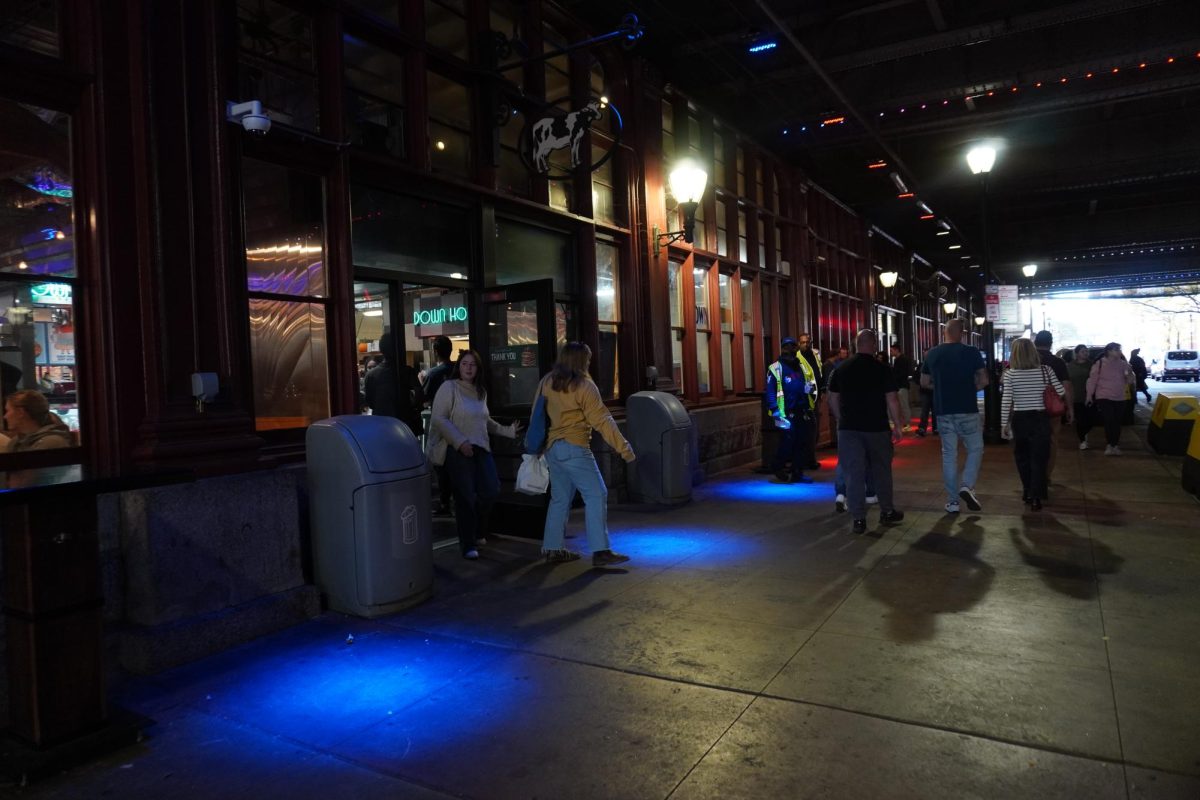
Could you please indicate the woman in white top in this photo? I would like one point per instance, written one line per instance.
(460, 415)
(1023, 417)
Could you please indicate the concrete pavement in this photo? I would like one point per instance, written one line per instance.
(754, 647)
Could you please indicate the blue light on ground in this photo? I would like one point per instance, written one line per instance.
(671, 545)
(764, 490)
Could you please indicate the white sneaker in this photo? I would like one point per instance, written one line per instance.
(1108, 451)
(951, 508)
(480, 540)
(967, 495)
(1083, 445)
(872, 500)
(839, 503)
(1116, 451)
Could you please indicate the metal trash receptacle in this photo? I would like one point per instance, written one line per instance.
(369, 500)
(660, 432)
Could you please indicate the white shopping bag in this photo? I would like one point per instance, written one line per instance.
(533, 477)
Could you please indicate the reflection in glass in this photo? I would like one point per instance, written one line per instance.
(374, 97)
(36, 191)
(528, 253)
(31, 25)
(607, 307)
(408, 234)
(449, 126)
(513, 345)
(290, 363)
(725, 293)
(37, 355)
(748, 361)
(675, 300)
(276, 63)
(285, 240)
(446, 26)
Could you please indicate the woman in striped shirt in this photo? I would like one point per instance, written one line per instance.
(1023, 417)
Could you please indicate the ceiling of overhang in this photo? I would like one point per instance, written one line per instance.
(1099, 161)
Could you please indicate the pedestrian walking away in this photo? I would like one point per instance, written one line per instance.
(839, 475)
(791, 399)
(1107, 383)
(1024, 419)
(1044, 341)
(575, 409)
(1084, 415)
(460, 416)
(902, 370)
(955, 373)
(1138, 365)
(862, 398)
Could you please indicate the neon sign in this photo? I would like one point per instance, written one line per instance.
(440, 316)
(51, 294)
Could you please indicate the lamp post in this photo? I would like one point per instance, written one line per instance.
(1029, 270)
(981, 159)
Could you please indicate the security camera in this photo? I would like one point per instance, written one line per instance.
(250, 115)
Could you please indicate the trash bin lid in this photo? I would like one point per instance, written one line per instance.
(386, 443)
(666, 406)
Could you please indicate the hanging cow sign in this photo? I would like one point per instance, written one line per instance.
(562, 130)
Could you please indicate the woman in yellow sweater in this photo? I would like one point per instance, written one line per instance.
(575, 409)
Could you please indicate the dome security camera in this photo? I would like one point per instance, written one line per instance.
(250, 115)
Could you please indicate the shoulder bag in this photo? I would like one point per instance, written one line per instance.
(539, 423)
(435, 444)
(1055, 405)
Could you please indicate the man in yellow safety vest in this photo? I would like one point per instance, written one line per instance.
(791, 399)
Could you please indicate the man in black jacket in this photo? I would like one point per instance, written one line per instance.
(392, 388)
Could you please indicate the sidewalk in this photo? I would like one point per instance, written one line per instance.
(754, 648)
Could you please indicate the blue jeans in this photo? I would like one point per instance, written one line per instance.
(573, 467)
(476, 487)
(953, 427)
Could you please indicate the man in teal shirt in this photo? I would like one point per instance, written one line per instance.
(956, 373)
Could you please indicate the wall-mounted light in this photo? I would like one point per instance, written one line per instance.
(888, 279)
(1029, 270)
(949, 308)
(687, 182)
(980, 320)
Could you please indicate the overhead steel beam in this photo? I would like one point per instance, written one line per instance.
(935, 11)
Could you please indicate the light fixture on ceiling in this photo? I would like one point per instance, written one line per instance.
(980, 159)
(373, 312)
(1029, 270)
(888, 279)
(956, 247)
(980, 320)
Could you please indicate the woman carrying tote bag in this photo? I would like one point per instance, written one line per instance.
(575, 409)
(1024, 417)
(461, 421)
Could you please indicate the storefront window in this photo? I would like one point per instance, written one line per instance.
(602, 182)
(675, 298)
(446, 26)
(700, 275)
(743, 244)
(409, 234)
(608, 312)
(741, 173)
(668, 133)
(749, 359)
(32, 26)
(285, 272)
(725, 296)
(37, 232)
(722, 230)
(276, 64)
(374, 97)
(718, 159)
(529, 253)
(762, 243)
(506, 19)
(449, 126)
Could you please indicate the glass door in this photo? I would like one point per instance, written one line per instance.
(522, 329)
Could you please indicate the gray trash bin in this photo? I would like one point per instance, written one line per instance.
(660, 431)
(369, 496)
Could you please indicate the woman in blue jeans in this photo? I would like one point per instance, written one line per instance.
(575, 409)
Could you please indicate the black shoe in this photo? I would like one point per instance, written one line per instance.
(891, 517)
(1035, 504)
(921, 432)
(860, 526)
(783, 476)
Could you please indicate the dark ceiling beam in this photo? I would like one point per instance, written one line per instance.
(935, 11)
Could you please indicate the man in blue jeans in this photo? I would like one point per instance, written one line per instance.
(956, 372)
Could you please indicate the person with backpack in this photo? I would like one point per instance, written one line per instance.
(574, 409)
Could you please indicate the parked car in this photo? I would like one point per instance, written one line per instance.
(1179, 365)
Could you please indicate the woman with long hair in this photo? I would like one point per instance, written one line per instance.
(1023, 417)
(460, 415)
(1106, 385)
(575, 409)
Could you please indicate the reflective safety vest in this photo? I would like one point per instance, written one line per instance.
(810, 379)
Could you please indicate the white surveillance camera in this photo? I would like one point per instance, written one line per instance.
(250, 115)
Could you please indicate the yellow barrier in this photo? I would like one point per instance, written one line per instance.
(1191, 463)
(1172, 423)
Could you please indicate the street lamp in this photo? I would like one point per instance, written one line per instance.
(980, 320)
(981, 159)
(949, 308)
(888, 279)
(1030, 270)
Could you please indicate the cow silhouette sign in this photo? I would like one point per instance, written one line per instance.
(562, 130)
